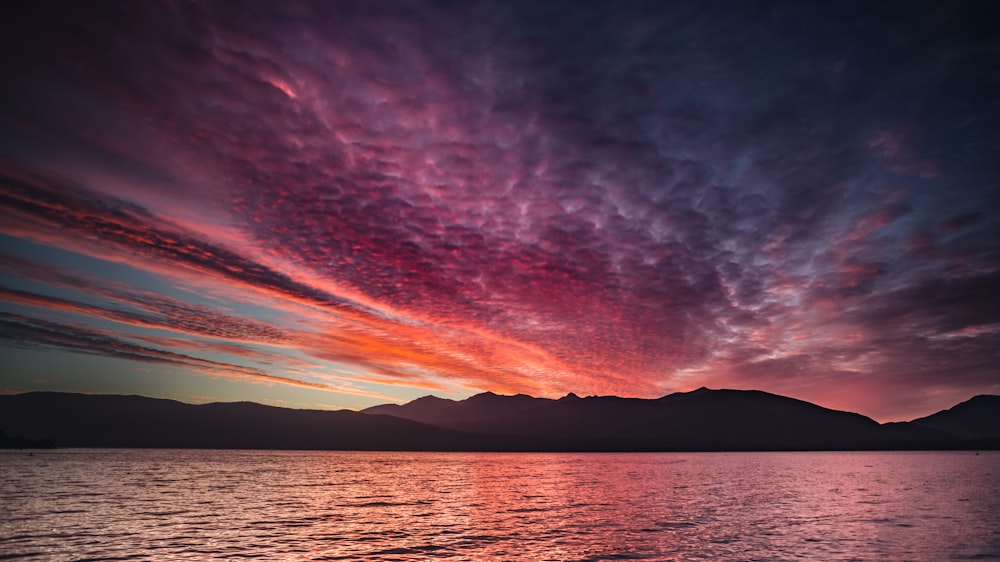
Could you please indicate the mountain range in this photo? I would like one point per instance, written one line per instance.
(700, 420)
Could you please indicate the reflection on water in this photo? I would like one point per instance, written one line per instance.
(167, 504)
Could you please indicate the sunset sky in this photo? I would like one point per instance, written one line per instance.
(342, 204)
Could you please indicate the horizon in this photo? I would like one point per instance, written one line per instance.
(486, 392)
(334, 206)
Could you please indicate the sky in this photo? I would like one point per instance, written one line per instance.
(341, 204)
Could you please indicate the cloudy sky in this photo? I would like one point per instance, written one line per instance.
(348, 203)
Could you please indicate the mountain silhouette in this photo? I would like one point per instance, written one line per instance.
(701, 420)
(79, 420)
(976, 418)
(476, 412)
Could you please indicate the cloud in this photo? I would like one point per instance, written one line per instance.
(155, 311)
(399, 347)
(33, 333)
(483, 196)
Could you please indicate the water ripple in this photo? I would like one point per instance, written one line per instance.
(197, 505)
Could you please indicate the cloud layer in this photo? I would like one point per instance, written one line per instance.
(520, 198)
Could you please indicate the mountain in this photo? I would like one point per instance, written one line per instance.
(471, 412)
(79, 420)
(976, 418)
(699, 420)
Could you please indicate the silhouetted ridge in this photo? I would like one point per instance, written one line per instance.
(77, 420)
(976, 418)
(701, 420)
(450, 413)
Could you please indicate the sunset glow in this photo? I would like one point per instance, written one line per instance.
(350, 203)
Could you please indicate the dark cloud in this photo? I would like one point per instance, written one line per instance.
(63, 209)
(33, 333)
(162, 313)
(962, 221)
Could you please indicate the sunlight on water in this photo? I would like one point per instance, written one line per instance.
(195, 505)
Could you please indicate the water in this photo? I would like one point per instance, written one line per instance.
(79, 504)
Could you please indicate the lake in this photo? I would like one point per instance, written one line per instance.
(73, 504)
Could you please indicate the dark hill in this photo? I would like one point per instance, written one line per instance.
(699, 420)
(475, 411)
(976, 418)
(702, 420)
(78, 420)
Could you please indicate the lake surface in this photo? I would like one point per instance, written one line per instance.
(76, 504)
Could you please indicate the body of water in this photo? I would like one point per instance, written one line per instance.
(77, 504)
